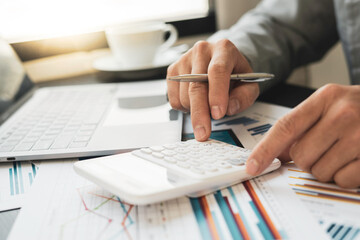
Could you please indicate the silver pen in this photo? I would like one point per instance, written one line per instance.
(242, 77)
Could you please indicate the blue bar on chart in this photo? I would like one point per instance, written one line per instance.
(17, 181)
(34, 169)
(340, 231)
(30, 178)
(11, 182)
(21, 178)
(260, 129)
(242, 120)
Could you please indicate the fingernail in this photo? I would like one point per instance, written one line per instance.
(215, 112)
(252, 166)
(234, 106)
(200, 132)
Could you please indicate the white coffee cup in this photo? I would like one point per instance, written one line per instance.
(137, 45)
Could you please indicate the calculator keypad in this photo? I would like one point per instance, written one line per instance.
(197, 159)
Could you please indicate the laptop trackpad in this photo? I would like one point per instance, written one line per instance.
(139, 110)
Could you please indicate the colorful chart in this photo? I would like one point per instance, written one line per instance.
(328, 198)
(227, 136)
(223, 209)
(259, 130)
(241, 120)
(17, 178)
(341, 231)
(221, 212)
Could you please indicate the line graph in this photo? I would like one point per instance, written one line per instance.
(95, 203)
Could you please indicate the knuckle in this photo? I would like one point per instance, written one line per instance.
(303, 165)
(218, 68)
(171, 70)
(349, 111)
(201, 46)
(185, 101)
(320, 174)
(356, 136)
(175, 103)
(197, 88)
(330, 90)
(341, 182)
(296, 154)
(248, 97)
(225, 43)
(286, 125)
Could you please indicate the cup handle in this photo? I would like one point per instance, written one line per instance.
(172, 38)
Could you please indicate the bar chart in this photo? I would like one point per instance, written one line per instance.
(336, 208)
(259, 130)
(16, 179)
(241, 120)
(223, 216)
(21, 177)
(237, 211)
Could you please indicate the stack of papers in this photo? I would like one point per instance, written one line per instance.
(287, 204)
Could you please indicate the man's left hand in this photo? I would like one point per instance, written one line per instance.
(321, 136)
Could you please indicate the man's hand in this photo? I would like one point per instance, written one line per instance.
(216, 97)
(321, 135)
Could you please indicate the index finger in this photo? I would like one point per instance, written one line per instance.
(225, 60)
(284, 133)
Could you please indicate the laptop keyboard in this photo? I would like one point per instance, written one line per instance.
(64, 119)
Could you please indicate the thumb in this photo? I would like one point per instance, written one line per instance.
(241, 97)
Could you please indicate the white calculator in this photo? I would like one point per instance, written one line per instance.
(159, 173)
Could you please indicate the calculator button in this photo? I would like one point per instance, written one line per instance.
(207, 152)
(170, 146)
(181, 150)
(223, 165)
(210, 160)
(146, 150)
(168, 153)
(194, 155)
(221, 150)
(209, 168)
(158, 155)
(194, 163)
(182, 144)
(237, 161)
(157, 148)
(181, 158)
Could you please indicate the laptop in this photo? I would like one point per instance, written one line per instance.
(79, 121)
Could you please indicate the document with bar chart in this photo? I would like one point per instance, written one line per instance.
(77, 209)
(16, 179)
(337, 210)
(248, 126)
(62, 205)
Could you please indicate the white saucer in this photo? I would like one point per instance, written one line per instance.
(109, 64)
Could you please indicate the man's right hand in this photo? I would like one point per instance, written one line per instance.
(218, 97)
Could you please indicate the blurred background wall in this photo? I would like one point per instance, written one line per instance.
(331, 69)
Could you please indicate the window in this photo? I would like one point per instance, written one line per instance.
(31, 20)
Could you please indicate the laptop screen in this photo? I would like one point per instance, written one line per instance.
(14, 82)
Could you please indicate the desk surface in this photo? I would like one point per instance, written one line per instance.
(283, 94)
